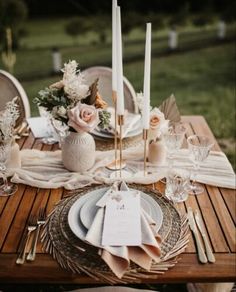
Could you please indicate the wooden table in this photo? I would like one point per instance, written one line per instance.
(217, 206)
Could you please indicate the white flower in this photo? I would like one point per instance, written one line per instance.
(8, 119)
(158, 124)
(139, 100)
(74, 83)
(59, 111)
(62, 111)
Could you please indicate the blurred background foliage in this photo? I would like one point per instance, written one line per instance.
(200, 72)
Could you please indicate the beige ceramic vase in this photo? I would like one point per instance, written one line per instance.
(78, 151)
(157, 152)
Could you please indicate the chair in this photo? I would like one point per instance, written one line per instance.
(105, 86)
(9, 88)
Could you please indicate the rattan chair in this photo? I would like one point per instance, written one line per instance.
(105, 86)
(9, 88)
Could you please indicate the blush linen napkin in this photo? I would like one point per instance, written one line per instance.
(44, 169)
(118, 257)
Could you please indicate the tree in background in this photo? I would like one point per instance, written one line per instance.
(12, 15)
(99, 25)
(77, 27)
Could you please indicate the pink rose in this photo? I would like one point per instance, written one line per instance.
(83, 117)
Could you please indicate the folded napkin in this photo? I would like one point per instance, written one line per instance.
(130, 122)
(118, 257)
(44, 169)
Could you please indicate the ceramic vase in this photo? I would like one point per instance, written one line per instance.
(157, 152)
(78, 151)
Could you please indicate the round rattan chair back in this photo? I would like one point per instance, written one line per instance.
(9, 88)
(105, 86)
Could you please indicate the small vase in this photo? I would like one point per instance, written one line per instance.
(157, 152)
(78, 151)
(14, 160)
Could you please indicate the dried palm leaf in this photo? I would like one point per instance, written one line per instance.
(170, 109)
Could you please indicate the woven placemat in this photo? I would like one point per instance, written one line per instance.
(77, 256)
(104, 144)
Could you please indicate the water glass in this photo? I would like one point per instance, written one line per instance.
(177, 182)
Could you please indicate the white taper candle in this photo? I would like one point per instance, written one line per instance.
(114, 53)
(147, 75)
(120, 87)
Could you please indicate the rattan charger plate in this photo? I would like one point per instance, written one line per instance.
(77, 256)
(104, 144)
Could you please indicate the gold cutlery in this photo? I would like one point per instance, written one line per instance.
(201, 254)
(32, 224)
(199, 222)
(41, 220)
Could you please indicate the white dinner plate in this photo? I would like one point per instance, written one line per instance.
(82, 212)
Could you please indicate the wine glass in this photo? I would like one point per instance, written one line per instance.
(50, 139)
(61, 130)
(6, 188)
(199, 149)
(173, 139)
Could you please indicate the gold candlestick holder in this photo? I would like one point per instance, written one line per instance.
(145, 139)
(116, 164)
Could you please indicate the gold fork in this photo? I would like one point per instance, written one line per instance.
(32, 224)
(41, 220)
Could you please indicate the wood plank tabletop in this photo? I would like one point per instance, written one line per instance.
(216, 205)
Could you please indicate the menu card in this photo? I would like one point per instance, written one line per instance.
(40, 127)
(122, 222)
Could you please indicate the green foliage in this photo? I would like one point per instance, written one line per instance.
(99, 25)
(76, 27)
(132, 20)
(104, 117)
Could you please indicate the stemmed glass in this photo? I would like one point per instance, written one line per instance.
(199, 149)
(50, 130)
(61, 130)
(6, 189)
(173, 139)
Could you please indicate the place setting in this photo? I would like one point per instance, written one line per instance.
(116, 234)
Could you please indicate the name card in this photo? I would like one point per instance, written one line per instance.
(40, 127)
(122, 222)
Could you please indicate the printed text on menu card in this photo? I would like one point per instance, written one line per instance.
(122, 222)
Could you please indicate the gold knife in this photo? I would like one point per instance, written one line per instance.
(201, 254)
(199, 222)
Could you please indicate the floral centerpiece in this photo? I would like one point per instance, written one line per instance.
(81, 108)
(73, 102)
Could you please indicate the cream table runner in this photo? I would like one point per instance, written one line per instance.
(44, 169)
